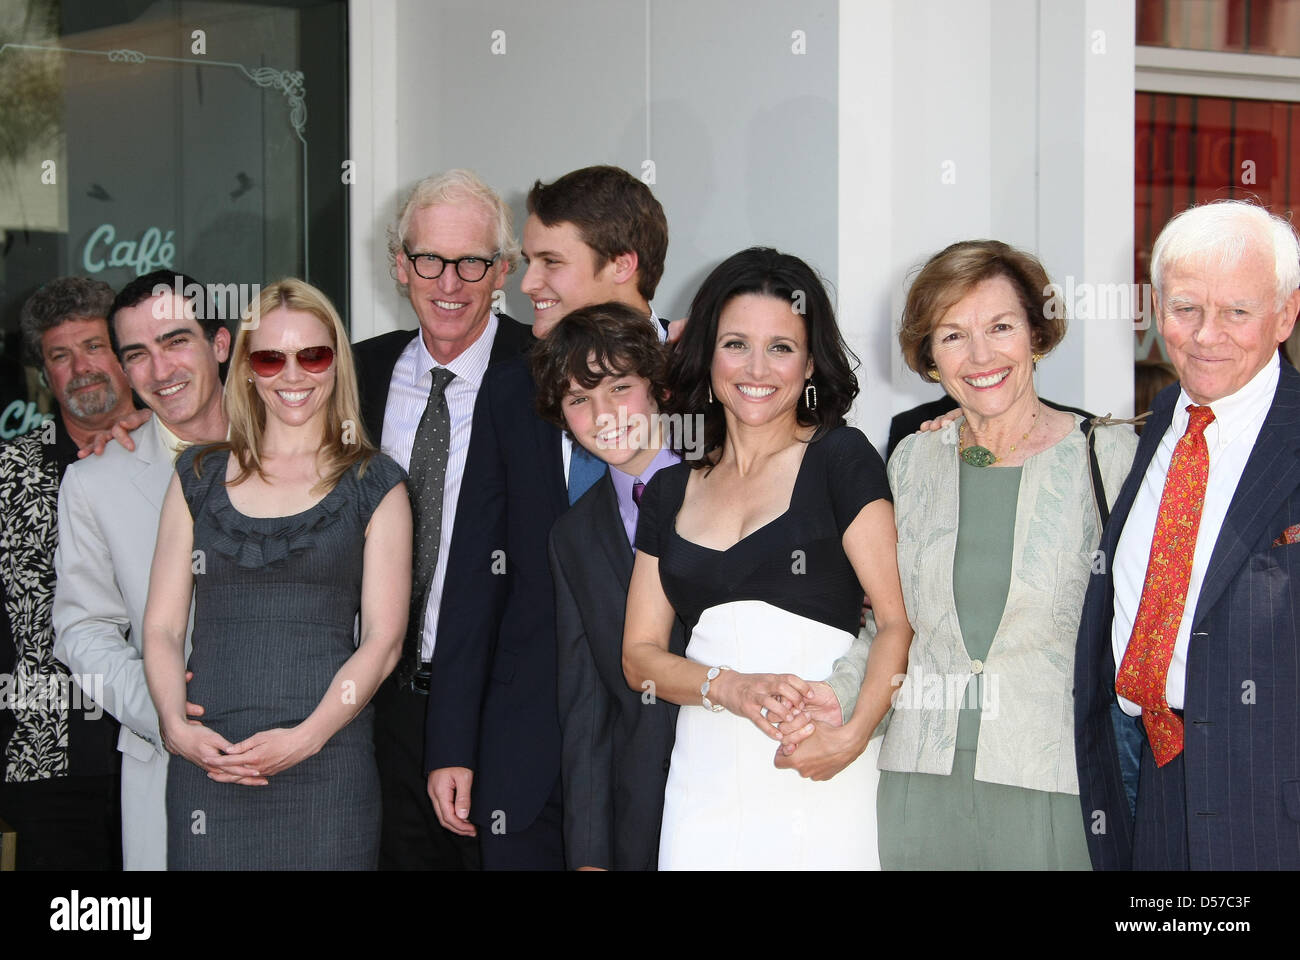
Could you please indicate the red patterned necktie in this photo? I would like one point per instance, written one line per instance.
(1145, 668)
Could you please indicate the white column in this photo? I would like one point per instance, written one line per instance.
(372, 134)
(1085, 137)
(866, 206)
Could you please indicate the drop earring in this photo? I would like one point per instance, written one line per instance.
(810, 395)
(710, 393)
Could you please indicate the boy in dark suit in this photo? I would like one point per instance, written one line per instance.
(600, 379)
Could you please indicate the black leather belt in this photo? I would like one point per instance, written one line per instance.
(420, 679)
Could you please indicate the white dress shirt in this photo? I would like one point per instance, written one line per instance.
(1230, 438)
(173, 444)
(408, 395)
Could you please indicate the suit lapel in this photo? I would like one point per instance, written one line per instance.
(154, 465)
(512, 339)
(610, 532)
(1271, 474)
(1162, 414)
(550, 459)
(1099, 604)
(380, 379)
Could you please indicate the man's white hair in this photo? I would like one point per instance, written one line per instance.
(455, 186)
(1222, 231)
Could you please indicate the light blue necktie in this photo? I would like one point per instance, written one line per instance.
(584, 471)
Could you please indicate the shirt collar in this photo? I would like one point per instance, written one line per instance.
(469, 365)
(623, 481)
(1235, 412)
(658, 324)
(173, 444)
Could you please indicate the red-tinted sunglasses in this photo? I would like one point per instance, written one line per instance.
(267, 363)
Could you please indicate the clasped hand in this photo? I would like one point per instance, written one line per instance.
(792, 710)
(828, 749)
(765, 699)
(249, 762)
(829, 746)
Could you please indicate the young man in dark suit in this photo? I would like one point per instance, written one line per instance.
(599, 379)
(493, 745)
(451, 250)
(1192, 621)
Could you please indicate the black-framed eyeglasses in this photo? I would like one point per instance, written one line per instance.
(469, 269)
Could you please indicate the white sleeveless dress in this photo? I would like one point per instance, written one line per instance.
(783, 600)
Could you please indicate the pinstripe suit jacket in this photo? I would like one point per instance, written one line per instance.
(1241, 784)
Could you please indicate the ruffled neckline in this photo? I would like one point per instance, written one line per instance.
(256, 542)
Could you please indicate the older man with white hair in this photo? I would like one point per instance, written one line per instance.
(449, 251)
(1192, 624)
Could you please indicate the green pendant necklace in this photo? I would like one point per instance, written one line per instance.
(978, 456)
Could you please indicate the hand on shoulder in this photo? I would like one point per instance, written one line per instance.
(120, 431)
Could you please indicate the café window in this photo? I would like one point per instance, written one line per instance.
(206, 137)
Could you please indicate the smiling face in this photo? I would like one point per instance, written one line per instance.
(562, 275)
(1221, 323)
(760, 359)
(453, 313)
(174, 368)
(982, 348)
(294, 396)
(82, 371)
(614, 420)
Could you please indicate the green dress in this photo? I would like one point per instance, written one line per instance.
(955, 822)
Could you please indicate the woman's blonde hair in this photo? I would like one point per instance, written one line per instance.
(344, 441)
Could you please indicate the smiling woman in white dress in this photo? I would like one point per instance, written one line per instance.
(764, 547)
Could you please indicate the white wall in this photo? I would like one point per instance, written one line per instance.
(837, 155)
(1035, 133)
(739, 127)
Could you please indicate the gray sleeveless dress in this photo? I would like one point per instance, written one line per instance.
(276, 601)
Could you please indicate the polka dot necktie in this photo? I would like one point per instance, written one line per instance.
(428, 472)
(1144, 671)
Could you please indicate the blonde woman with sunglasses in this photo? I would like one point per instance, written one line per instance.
(280, 536)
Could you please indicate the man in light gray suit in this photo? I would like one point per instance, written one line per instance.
(172, 350)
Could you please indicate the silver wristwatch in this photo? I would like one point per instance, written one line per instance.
(704, 689)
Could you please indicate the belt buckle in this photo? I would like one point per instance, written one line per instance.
(420, 678)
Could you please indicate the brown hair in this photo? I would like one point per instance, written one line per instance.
(61, 300)
(956, 270)
(614, 213)
(590, 344)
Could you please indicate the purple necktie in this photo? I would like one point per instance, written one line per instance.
(638, 488)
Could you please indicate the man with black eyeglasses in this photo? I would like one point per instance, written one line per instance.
(595, 235)
(450, 250)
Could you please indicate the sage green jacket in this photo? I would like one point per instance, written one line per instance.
(1026, 734)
